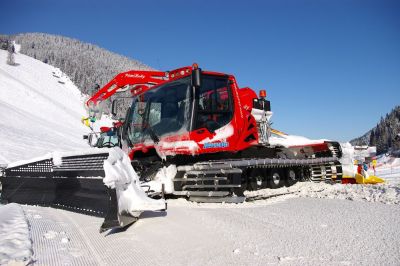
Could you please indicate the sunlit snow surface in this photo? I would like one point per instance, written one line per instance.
(38, 114)
(306, 224)
(15, 243)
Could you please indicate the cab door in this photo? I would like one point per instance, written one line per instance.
(214, 129)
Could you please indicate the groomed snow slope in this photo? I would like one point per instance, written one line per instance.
(389, 169)
(284, 230)
(306, 224)
(15, 242)
(38, 114)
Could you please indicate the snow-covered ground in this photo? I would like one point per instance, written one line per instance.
(306, 224)
(288, 230)
(390, 174)
(15, 241)
(38, 114)
(389, 169)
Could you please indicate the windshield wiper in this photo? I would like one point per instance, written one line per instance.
(153, 134)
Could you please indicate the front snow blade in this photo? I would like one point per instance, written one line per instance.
(113, 218)
(75, 184)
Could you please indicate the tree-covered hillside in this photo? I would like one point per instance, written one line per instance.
(383, 136)
(86, 64)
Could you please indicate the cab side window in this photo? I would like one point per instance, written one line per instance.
(214, 109)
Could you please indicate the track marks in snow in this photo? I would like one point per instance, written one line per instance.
(62, 237)
(302, 231)
(83, 236)
(47, 235)
(50, 234)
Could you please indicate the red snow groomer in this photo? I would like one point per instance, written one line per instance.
(216, 134)
(188, 132)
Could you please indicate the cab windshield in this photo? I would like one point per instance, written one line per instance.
(160, 111)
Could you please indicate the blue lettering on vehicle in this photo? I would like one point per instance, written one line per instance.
(215, 145)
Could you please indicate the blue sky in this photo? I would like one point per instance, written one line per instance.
(331, 68)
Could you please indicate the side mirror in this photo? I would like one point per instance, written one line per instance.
(92, 141)
(196, 77)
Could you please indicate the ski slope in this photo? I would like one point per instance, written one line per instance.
(40, 110)
(389, 168)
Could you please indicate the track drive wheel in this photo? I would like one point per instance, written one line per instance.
(257, 179)
(275, 178)
(292, 176)
(239, 191)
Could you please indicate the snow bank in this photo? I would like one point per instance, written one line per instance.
(387, 194)
(384, 193)
(15, 243)
(121, 176)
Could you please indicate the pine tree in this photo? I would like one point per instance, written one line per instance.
(10, 56)
(383, 135)
(372, 141)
